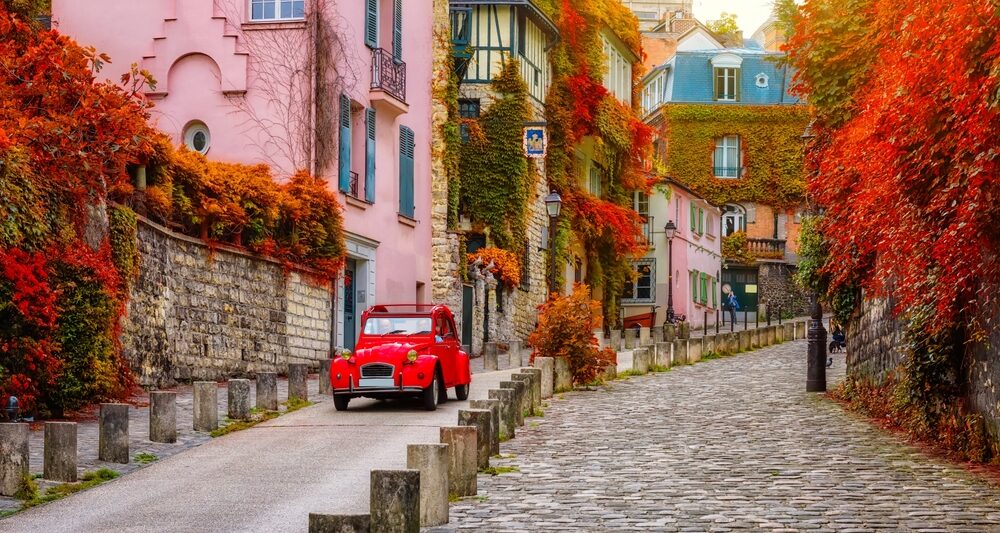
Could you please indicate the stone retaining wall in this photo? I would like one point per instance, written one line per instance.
(199, 313)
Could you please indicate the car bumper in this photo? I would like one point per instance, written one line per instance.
(359, 391)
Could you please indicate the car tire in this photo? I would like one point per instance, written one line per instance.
(443, 394)
(430, 395)
(340, 402)
(462, 392)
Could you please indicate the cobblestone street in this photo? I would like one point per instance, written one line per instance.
(724, 445)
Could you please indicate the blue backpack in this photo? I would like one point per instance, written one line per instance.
(733, 302)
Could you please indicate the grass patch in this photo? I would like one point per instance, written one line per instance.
(710, 356)
(500, 470)
(659, 368)
(481, 499)
(534, 424)
(452, 498)
(629, 373)
(7, 512)
(294, 404)
(145, 458)
(58, 492)
(239, 425)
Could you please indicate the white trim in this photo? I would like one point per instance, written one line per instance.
(191, 130)
(727, 60)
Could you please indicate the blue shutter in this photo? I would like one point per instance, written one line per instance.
(371, 23)
(397, 30)
(370, 156)
(345, 143)
(406, 146)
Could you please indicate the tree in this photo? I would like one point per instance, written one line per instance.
(725, 25)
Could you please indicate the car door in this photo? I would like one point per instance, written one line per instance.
(446, 349)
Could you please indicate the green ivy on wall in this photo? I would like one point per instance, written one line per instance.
(770, 145)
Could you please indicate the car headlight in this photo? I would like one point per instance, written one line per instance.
(411, 355)
(346, 354)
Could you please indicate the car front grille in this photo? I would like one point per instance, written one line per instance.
(377, 370)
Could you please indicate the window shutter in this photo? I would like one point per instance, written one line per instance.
(694, 218)
(406, 146)
(694, 285)
(371, 23)
(738, 80)
(718, 83)
(397, 30)
(782, 230)
(345, 144)
(370, 156)
(715, 293)
(704, 288)
(701, 221)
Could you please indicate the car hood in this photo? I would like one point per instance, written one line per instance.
(389, 352)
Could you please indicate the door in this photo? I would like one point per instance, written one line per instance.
(743, 282)
(446, 348)
(467, 315)
(350, 305)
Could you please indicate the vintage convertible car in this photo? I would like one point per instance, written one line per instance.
(403, 350)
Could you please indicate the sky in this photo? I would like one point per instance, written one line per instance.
(750, 14)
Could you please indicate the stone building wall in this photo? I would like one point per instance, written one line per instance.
(201, 313)
(777, 289)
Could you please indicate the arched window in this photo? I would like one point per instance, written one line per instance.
(734, 218)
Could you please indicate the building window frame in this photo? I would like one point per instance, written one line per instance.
(258, 9)
(646, 268)
(728, 157)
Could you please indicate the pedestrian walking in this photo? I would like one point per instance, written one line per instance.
(732, 305)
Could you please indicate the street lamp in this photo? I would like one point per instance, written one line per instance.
(553, 205)
(670, 229)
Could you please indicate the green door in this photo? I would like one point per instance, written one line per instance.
(743, 282)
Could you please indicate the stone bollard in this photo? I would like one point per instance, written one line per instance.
(680, 351)
(779, 333)
(695, 349)
(536, 388)
(395, 501)
(206, 406)
(610, 372)
(463, 459)
(59, 462)
(745, 345)
(298, 381)
(684, 330)
(800, 330)
(339, 523)
(669, 332)
(529, 391)
(709, 345)
(521, 397)
(494, 407)
(514, 349)
(508, 411)
(563, 376)
(547, 366)
(641, 360)
(733, 342)
(663, 352)
(482, 421)
(755, 338)
(789, 331)
(112, 441)
(616, 340)
(772, 336)
(267, 391)
(491, 359)
(239, 399)
(631, 338)
(657, 335)
(324, 376)
(432, 461)
(163, 416)
(13, 457)
(645, 339)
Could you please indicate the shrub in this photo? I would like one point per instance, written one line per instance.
(507, 264)
(566, 327)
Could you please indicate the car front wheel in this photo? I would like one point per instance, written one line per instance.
(340, 402)
(430, 395)
(462, 392)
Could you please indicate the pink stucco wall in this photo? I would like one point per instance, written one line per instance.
(212, 65)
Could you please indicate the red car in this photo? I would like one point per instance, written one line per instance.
(403, 350)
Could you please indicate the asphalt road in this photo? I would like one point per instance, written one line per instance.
(267, 478)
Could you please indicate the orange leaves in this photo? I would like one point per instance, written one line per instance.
(566, 327)
(507, 264)
(594, 218)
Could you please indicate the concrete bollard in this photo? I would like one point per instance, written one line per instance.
(631, 338)
(709, 345)
(206, 406)
(482, 421)
(59, 461)
(547, 366)
(508, 411)
(563, 375)
(514, 349)
(395, 501)
(669, 332)
(324, 376)
(494, 407)
(779, 334)
(800, 330)
(463, 459)
(789, 331)
(112, 440)
(521, 398)
(432, 461)
(657, 335)
(239, 399)
(680, 351)
(267, 391)
(684, 330)
(298, 381)
(772, 335)
(536, 388)
(732, 343)
(695, 349)
(641, 360)
(755, 339)
(663, 352)
(163, 416)
(13, 457)
(645, 339)
(339, 523)
(616, 340)
(745, 344)
(491, 359)
(610, 372)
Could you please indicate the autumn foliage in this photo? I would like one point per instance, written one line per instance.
(507, 266)
(566, 327)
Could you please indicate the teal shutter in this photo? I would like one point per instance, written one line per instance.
(406, 146)
(370, 156)
(694, 286)
(371, 23)
(345, 143)
(397, 30)
(701, 221)
(694, 218)
(715, 293)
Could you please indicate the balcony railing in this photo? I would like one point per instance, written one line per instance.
(767, 248)
(353, 192)
(646, 239)
(728, 172)
(388, 74)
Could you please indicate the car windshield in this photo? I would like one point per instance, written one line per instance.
(398, 326)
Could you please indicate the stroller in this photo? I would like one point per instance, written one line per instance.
(838, 343)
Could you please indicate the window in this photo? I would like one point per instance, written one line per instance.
(594, 183)
(578, 270)
(640, 290)
(762, 81)
(617, 73)
(277, 9)
(474, 242)
(641, 203)
(197, 137)
(733, 219)
(728, 157)
(727, 84)
(467, 108)
(710, 225)
(406, 149)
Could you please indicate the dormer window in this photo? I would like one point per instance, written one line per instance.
(726, 69)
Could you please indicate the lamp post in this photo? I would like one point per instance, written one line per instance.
(671, 230)
(553, 204)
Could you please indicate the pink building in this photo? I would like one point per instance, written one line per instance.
(338, 87)
(695, 256)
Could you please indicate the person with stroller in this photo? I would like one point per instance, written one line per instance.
(838, 342)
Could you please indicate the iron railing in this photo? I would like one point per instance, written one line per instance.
(767, 248)
(647, 226)
(388, 74)
(354, 192)
(728, 172)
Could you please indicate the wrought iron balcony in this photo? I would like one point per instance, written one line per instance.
(646, 239)
(388, 74)
(353, 192)
(728, 172)
(767, 249)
